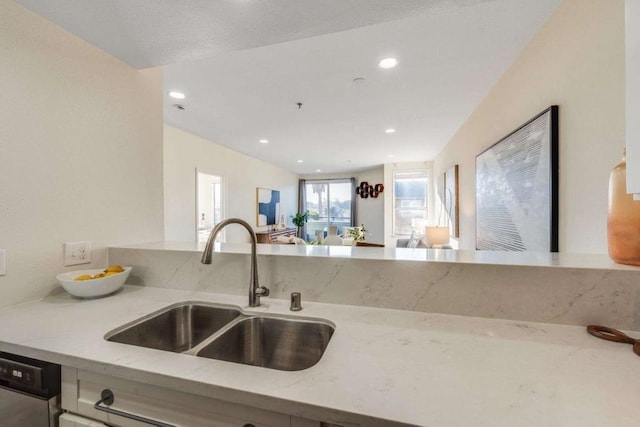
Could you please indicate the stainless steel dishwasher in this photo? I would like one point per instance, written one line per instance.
(29, 392)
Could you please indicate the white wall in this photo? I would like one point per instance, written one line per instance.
(80, 152)
(577, 62)
(241, 174)
(369, 211)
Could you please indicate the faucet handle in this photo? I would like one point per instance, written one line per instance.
(262, 291)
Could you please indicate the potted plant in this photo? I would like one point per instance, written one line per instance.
(358, 233)
(299, 220)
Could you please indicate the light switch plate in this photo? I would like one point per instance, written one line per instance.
(77, 253)
(3, 262)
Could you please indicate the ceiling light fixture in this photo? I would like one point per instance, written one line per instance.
(387, 63)
(300, 161)
(391, 156)
(264, 141)
(318, 170)
(177, 95)
(390, 130)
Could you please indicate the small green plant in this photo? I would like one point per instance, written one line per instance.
(300, 219)
(358, 233)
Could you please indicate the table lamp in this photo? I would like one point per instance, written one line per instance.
(436, 237)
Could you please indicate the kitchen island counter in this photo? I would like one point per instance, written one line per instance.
(382, 367)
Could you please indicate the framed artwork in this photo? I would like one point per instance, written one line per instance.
(267, 206)
(440, 189)
(451, 200)
(517, 189)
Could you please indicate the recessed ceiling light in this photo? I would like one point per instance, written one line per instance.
(300, 161)
(391, 156)
(264, 141)
(177, 95)
(318, 170)
(388, 63)
(390, 130)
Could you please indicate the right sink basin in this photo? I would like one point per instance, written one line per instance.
(287, 344)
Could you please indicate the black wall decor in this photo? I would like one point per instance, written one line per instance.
(517, 189)
(365, 190)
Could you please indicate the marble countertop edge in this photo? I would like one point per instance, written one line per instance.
(491, 258)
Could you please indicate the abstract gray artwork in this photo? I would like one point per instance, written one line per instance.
(516, 189)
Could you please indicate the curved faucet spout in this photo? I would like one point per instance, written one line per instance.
(255, 290)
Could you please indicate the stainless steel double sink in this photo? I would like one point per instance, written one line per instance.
(224, 332)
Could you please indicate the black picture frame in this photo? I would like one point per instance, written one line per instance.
(517, 188)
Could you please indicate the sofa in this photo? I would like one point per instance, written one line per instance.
(404, 243)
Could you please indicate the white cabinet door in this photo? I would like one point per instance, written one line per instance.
(632, 60)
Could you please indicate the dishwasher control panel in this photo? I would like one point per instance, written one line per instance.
(29, 375)
(20, 373)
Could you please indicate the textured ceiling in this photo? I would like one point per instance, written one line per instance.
(245, 64)
(149, 33)
(448, 62)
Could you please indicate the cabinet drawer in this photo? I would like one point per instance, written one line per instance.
(70, 420)
(82, 389)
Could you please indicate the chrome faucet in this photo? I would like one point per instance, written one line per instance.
(255, 290)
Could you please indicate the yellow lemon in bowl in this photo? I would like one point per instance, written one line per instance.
(92, 283)
(114, 269)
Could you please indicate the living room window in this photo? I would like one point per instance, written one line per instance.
(410, 200)
(329, 202)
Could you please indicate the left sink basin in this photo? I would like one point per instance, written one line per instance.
(176, 328)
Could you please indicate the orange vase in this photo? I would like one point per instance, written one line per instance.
(623, 220)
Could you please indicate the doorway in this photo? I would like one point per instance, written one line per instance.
(209, 205)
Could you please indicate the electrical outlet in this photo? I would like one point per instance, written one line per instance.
(77, 253)
(3, 262)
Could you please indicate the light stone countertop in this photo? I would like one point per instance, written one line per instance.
(532, 259)
(381, 365)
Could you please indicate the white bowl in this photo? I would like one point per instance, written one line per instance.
(94, 287)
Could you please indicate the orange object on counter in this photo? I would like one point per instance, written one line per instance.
(623, 220)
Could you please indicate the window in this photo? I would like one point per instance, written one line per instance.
(410, 200)
(328, 203)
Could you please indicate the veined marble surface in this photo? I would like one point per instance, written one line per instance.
(551, 288)
(533, 259)
(382, 367)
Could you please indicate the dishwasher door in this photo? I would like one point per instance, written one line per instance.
(19, 409)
